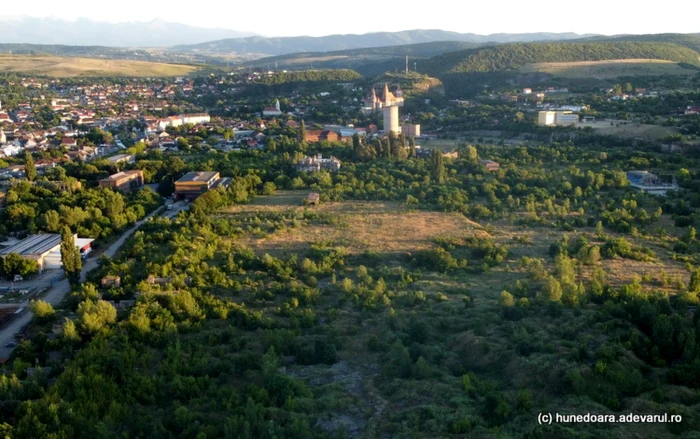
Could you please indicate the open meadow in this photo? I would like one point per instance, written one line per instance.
(630, 129)
(609, 68)
(394, 233)
(60, 67)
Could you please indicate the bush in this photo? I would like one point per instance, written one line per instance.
(14, 264)
(439, 260)
(42, 310)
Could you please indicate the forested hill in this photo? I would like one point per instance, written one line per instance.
(311, 76)
(513, 56)
(691, 41)
(420, 50)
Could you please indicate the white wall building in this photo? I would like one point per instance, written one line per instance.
(45, 249)
(559, 117)
(182, 119)
(272, 111)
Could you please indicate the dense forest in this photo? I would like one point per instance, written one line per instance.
(514, 56)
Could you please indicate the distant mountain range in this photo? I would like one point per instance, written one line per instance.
(263, 46)
(84, 32)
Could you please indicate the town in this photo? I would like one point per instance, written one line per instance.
(434, 247)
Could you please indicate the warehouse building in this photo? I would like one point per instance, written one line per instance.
(46, 249)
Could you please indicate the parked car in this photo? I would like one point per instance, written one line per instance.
(18, 278)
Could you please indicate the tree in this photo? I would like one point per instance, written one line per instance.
(182, 144)
(551, 290)
(437, 170)
(599, 228)
(70, 332)
(356, 146)
(421, 370)
(472, 154)
(96, 315)
(302, 131)
(42, 310)
(52, 221)
(506, 299)
(694, 286)
(14, 264)
(70, 256)
(29, 166)
(399, 364)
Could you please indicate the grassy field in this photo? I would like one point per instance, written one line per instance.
(386, 236)
(381, 227)
(60, 67)
(629, 129)
(608, 68)
(396, 232)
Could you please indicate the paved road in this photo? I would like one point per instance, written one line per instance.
(55, 295)
(41, 280)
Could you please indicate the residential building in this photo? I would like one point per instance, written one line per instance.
(125, 181)
(69, 141)
(317, 163)
(63, 186)
(121, 158)
(183, 119)
(194, 184)
(318, 135)
(45, 249)
(490, 165)
(111, 281)
(411, 130)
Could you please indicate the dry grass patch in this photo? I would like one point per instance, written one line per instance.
(608, 68)
(382, 227)
(64, 67)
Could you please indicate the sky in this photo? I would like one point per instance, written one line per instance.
(325, 17)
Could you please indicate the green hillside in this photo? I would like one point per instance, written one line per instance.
(423, 50)
(370, 61)
(691, 41)
(412, 83)
(510, 57)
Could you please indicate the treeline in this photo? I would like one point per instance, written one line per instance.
(91, 212)
(310, 76)
(514, 56)
(691, 41)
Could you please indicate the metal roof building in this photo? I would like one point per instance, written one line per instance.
(45, 249)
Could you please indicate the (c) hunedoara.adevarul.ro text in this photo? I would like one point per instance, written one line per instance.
(568, 418)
